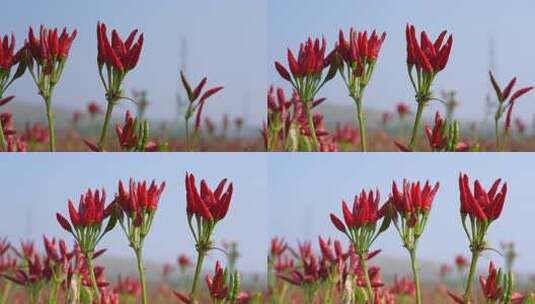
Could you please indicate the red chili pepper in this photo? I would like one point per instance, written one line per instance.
(481, 204)
(127, 134)
(207, 204)
(7, 56)
(49, 48)
(120, 55)
(139, 200)
(490, 285)
(413, 199)
(359, 48)
(426, 55)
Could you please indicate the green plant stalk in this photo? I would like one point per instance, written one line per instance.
(271, 279)
(89, 260)
(364, 269)
(273, 137)
(277, 295)
(188, 147)
(497, 128)
(417, 120)
(50, 119)
(415, 274)
(361, 121)
(34, 292)
(505, 139)
(186, 127)
(3, 144)
(107, 118)
(473, 268)
(195, 139)
(198, 268)
(311, 128)
(282, 294)
(272, 140)
(497, 133)
(309, 295)
(73, 292)
(53, 297)
(5, 293)
(142, 279)
(190, 138)
(34, 297)
(329, 294)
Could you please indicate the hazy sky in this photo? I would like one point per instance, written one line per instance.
(226, 41)
(305, 188)
(36, 186)
(473, 24)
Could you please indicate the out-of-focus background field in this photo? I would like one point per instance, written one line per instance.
(225, 41)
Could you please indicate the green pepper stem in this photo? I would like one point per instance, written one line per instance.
(311, 127)
(3, 144)
(142, 279)
(417, 120)
(473, 268)
(415, 274)
(361, 120)
(102, 140)
(198, 268)
(50, 119)
(364, 269)
(90, 268)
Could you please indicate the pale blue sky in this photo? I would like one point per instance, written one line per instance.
(36, 186)
(472, 23)
(226, 41)
(305, 188)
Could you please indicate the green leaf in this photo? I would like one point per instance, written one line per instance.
(360, 296)
(226, 276)
(236, 287)
(292, 141)
(20, 69)
(304, 143)
(453, 135)
(144, 138)
(387, 220)
(333, 68)
(112, 221)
